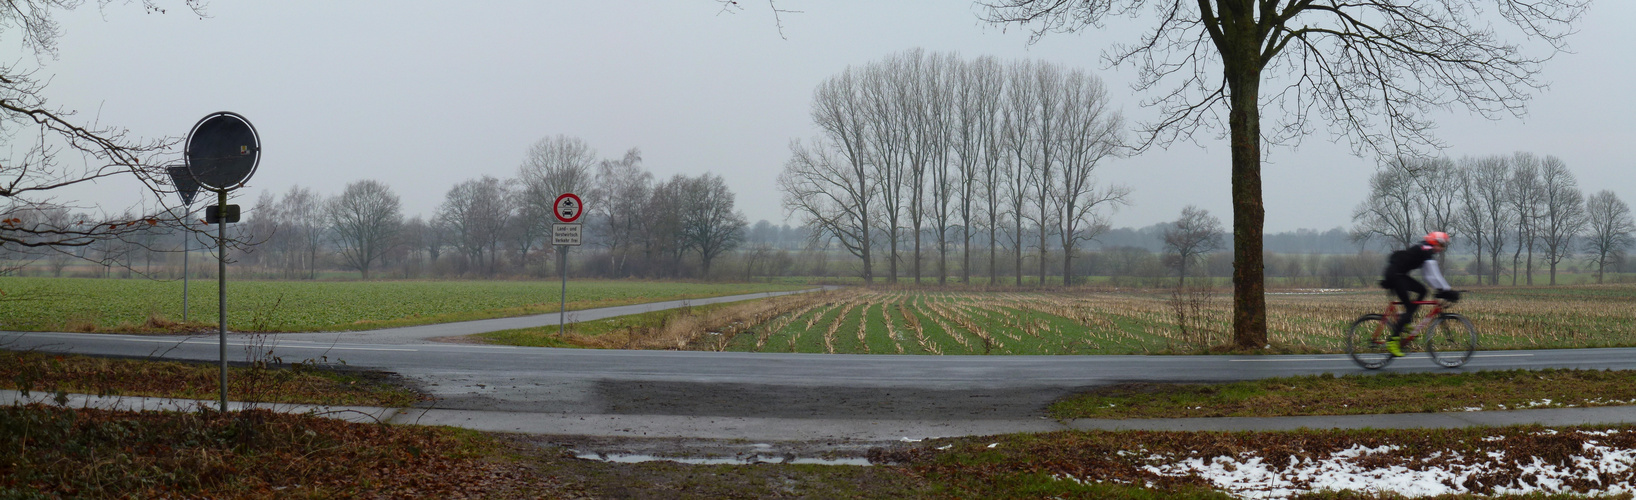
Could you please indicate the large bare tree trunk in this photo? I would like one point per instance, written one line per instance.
(1244, 121)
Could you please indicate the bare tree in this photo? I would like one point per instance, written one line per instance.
(915, 86)
(1194, 233)
(621, 188)
(831, 186)
(1438, 183)
(1047, 80)
(995, 170)
(1611, 226)
(938, 84)
(475, 213)
(1391, 210)
(1371, 70)
(1408, 198)
(301, 213)
(553, 166)
(430, 236)
(1527, 199)
(882, 91)
(1089, 133)
(1468, 216)
(1564, 215)
(976, 94)
(410, 238)
(51, 148)
(1490, 180)
(365, 219)
(934, 139)
(664, 223)
(1019, 113)
(710, 224)
(524, 230)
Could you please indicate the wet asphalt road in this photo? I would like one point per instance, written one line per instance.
(761, 385)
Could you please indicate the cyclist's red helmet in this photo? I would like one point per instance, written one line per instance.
(1438, 239)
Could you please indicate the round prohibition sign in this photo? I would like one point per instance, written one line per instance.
(568, 207)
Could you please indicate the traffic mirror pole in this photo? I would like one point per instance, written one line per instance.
(185, 248)
(221, 289)
(222, 152)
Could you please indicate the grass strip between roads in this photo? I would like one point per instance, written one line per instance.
(611, 333)
(1357, 395)
(300, 383)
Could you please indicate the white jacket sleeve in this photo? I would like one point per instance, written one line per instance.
(1434, 275)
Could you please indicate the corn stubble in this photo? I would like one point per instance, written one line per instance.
(930, 321)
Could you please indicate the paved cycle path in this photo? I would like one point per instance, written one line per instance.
(422, 333)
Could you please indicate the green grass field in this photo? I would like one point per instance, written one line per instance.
(1138, 322)
(41, 304)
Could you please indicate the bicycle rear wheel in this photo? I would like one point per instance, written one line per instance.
(1366, 341)
(1452, 340)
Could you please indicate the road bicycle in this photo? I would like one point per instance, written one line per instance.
(1450, 342)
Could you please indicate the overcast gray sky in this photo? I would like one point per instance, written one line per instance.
(423, 95)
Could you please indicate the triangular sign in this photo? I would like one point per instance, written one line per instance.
(186, 185)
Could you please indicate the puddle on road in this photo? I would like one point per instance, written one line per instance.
(631, 458)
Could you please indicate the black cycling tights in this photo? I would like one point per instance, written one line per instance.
(1402, 284)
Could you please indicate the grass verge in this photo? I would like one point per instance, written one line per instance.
(1357, 395)
(611, 333)
(50, 452)
(708, 327)
(301, 383)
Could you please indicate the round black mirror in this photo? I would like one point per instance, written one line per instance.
(222, 151)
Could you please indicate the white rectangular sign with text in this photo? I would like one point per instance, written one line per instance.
(565, 234)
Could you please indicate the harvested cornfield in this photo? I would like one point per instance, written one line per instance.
(920, 322)
(876, 321)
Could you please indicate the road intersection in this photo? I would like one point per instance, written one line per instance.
(684, 390)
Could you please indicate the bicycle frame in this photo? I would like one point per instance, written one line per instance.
(1451, 347)
(1392, 313)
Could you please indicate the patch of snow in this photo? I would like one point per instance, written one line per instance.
(1248, 475)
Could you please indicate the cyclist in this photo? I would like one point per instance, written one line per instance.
(1421, 256)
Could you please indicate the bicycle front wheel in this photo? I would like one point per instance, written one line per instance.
(1366, 341)
(1452, 340)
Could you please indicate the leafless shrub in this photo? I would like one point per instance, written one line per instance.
(1195, 328)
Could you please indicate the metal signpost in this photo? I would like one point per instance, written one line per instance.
(186, 188)
(222, 152)
(567, 208)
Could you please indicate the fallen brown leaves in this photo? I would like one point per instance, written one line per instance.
(249, 454)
